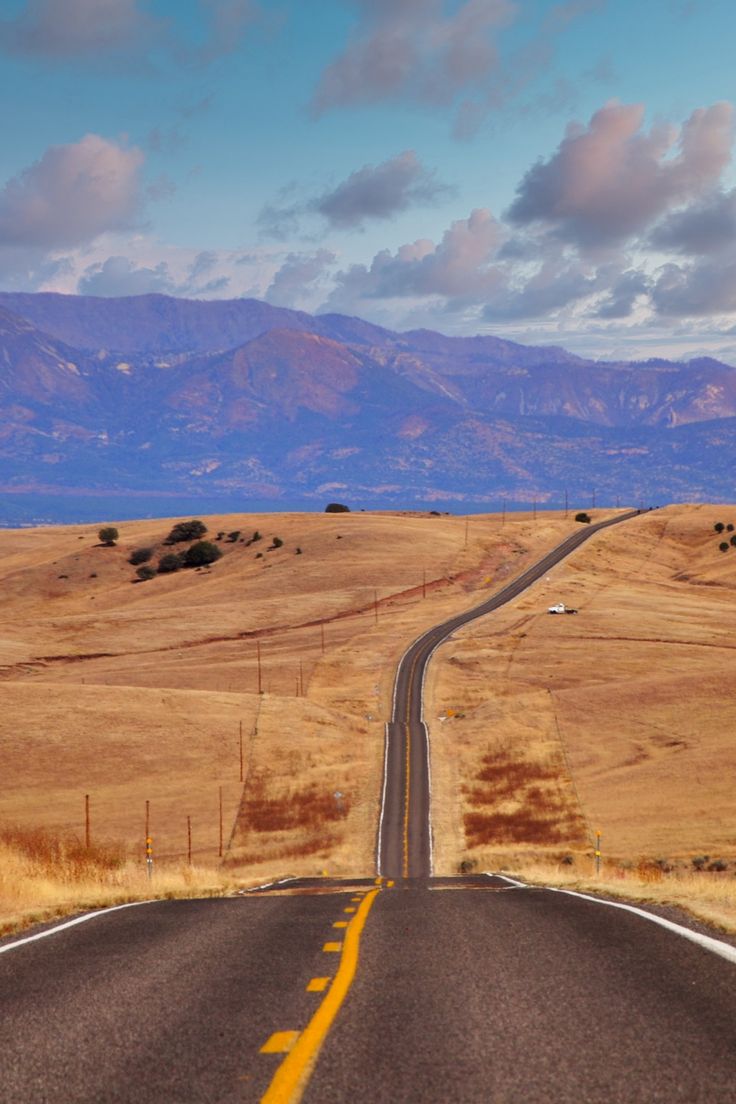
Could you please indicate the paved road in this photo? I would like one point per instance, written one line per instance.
(403, 990)
(466, 990)
(404, 840)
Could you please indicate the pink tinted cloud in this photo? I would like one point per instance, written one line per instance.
(611, 180)
(72, 194)
(76, 27)
(458, 267)
(417, 49)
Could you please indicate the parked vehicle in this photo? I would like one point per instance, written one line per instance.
(560, 607)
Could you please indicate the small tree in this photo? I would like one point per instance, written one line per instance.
(733, 540)
(723, 546)
(234, 536)
(140, 556)
(172, 561)
(336, 508)
(108, 535)
(582, 516)
(146, 572)
(186, 531)
(729, 527)
(201, 553)
(276, 542)
(719, 527)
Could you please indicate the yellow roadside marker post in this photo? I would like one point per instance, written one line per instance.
(597, 852)
(149, 857)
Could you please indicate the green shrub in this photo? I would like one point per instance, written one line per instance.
(298, 552)
(582, 516)
(729, 527)
(140, 556)
(186, 531)
(108, 535)
(234, 536)
(276, 542)
(146, 572)
(172, 561)
(733, 540)
(337, 508)
(201, 553)
(724, 546)
(719, 527)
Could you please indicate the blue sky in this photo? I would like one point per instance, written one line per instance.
(555, 172)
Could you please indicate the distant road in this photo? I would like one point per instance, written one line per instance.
(467, 991)
(404, 846)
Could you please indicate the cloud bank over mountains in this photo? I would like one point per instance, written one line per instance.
(618, 219)
(622, 221)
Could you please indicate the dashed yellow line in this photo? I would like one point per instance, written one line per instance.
(340, 924)
(280, 1042)
(332, 948)
(318, 985)
(290, 1079)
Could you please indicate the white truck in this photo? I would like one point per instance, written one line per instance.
(560, 607)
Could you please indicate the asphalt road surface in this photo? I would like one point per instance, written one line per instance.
(405, 989)
(404, 845)
(467, 990)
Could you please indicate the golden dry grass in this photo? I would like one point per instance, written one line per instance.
(628, 703)
(135, 692)
(44, 875)
(619, 717)
(709, 897)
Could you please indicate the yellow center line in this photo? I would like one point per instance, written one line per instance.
(332, 948)
(290, 1079)
(350, 909)
(407, 795)
(280, 1042)
(318, 985)
(407, 790)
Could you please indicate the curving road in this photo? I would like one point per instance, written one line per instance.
(404, 844)
(403, 989)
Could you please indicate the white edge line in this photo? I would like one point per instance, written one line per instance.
(715, 946)
(268, 885)
(505, 878)
(379, 872)
(71, 923)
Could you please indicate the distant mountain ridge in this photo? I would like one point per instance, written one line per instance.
(242, 398)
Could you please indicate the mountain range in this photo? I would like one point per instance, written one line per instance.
(242, 401)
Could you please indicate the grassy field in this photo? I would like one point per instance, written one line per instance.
(543, 729)
(619, 719)
(135, 692)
